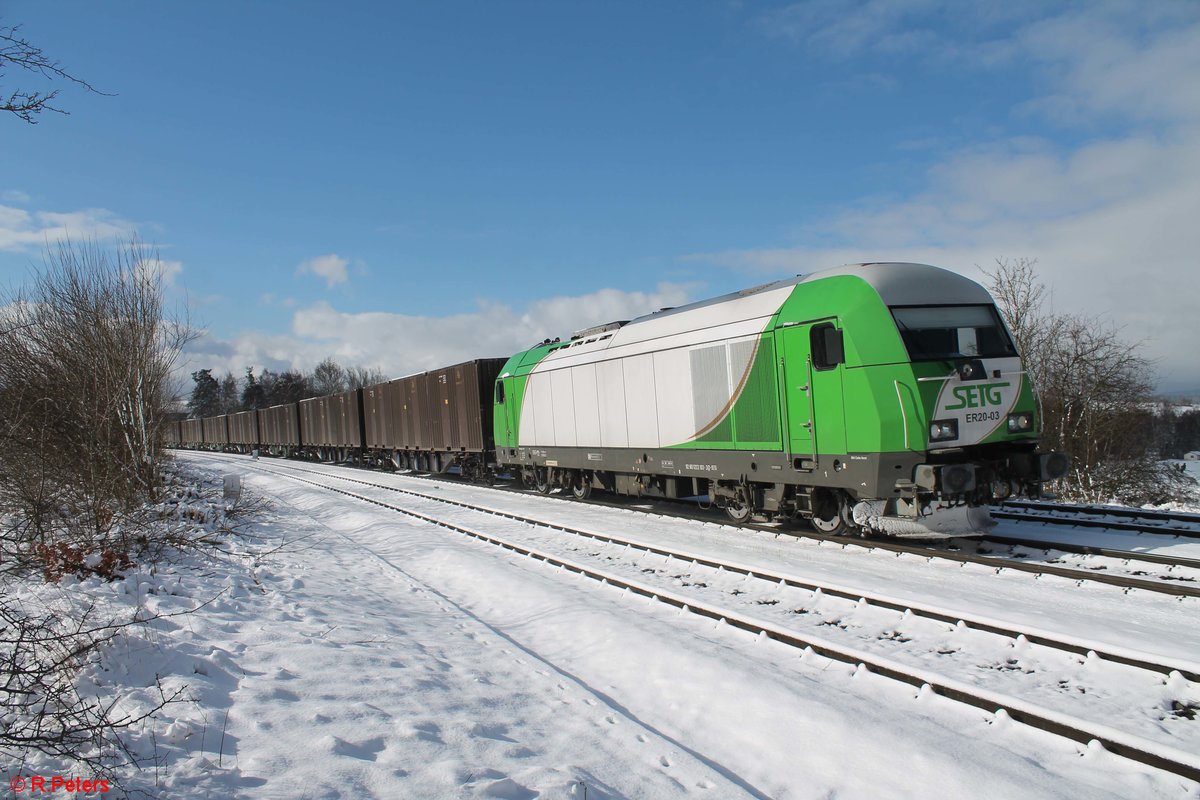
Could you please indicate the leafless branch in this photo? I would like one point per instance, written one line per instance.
(17, 51)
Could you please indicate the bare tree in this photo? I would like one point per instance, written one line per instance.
(328, 377)
(1094, 391)
(16, 51)
(358, 377)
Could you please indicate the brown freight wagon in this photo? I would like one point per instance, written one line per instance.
(460, 406)
(279, 426)
(243, 430)
(391, 414)
(172, 435)
(216, 431)
(332, 421)
(191, 432)
(443, 418)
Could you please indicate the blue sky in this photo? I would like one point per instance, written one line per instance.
(410, 184)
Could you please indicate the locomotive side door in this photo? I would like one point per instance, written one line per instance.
(811, 376)
(504, 406)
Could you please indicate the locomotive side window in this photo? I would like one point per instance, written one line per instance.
(933, 333)
(499, 392)
(828, 349)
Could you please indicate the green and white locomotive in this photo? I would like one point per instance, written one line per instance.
(885, 396)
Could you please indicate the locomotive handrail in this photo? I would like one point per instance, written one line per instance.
(903, 414)
(812, 410)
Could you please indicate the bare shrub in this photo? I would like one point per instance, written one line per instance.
(86, 359)
(41, 707)
(1094, 393)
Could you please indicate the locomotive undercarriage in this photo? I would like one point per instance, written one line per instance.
(906, 494)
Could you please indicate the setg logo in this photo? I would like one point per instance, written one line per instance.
(979, 407)
(978, 396)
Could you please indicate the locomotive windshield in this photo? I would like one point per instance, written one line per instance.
(947, 332)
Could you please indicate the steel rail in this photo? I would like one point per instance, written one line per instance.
(1093, 550)
(1071, 511)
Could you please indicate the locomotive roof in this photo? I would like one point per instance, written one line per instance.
(898, 283)
(901, 283)
(712, 301)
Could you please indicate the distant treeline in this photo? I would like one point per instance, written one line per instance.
(1174, 429)
(211, 397)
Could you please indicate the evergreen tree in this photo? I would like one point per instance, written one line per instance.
(230, 401)
(290, 387)
(253, 395)
(206, 395)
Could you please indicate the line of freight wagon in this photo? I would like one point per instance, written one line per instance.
(431, 421)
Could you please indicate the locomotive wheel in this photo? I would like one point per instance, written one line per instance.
(831, 514)
(581, 487)
(542, 483)
(835, 525)
(739, 511)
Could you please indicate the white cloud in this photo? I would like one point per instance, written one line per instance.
(1113, 227)
(16, 196)
(24, 230)
(1111, 221)
(165, 271)
(331, 267)
(849, 27)
(402, 344)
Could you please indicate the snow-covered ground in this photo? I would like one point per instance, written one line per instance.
(348, 651)
(1192, 470)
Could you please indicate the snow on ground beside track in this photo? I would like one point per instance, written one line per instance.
(378, 656)
(1147, 622)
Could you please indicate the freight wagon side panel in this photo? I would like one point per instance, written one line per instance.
(345, 419)
(376, 420)
(415, 412)
(192, 431)
(243, 428)
(216, 430)
(475, 384)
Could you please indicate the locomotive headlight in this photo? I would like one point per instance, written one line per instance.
(941, 430)
(1021, 422)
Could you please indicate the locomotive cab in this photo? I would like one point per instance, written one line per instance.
(967, 410)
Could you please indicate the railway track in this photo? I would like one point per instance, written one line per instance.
(1181, 527)
(959, 551)
(1088, 549)
(1133, 520)
(1160, 671)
